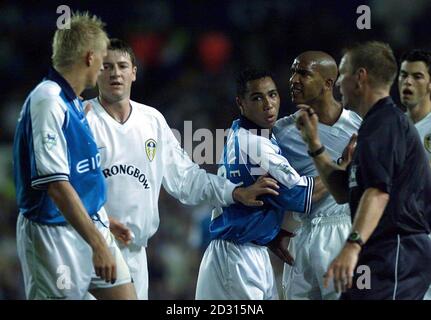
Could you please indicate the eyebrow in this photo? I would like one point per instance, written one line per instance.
(256, 93)
(262, 93)
(301, 70)
(413, 73)
(119, 62)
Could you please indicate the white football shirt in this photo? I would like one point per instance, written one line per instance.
(424, 129)
(137, 157)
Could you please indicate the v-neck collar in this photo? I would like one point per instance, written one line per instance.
(120, 126)
(423, 120)
(112, 120)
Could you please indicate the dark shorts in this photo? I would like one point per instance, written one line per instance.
(400, 269)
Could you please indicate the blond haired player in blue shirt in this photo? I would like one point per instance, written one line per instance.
(63, 239)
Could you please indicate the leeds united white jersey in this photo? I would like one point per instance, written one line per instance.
(137, 158)
(334, 138)
(424, 129)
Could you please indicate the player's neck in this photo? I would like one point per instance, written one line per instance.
(419, 111)
(370, 98)
(329, 111)
(75, 79)
(120, 110)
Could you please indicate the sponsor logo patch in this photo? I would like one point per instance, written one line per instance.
(285, 168)
(49, 139)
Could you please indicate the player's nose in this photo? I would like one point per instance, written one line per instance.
(115, 71)
(294, 78)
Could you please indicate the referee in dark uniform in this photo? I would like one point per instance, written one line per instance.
(387, 184)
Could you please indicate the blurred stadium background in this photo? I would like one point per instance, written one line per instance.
(188, 53)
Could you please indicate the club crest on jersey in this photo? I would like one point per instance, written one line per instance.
(427, 142)
(150, 149)
(49, 139)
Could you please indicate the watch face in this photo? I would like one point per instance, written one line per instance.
(354, 236)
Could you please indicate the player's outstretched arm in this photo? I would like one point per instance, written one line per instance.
(333, 176)
(69, 203)
(263, 186)
(192, 185)
(319, 190)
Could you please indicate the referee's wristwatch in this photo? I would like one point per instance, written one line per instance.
(355, 237)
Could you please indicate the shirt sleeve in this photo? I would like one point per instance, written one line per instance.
(295, 191)
(297, 199)
(49, 148)
(186, 181)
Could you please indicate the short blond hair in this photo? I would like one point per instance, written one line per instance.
(86, 32)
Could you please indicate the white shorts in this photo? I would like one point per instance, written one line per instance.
(136, 259)
(235, 272)
(316, 244)
(58, 264)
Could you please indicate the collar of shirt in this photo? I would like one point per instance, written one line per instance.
(250, 125)
(55, 76)
(382, 102)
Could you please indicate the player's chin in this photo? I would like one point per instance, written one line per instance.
(269, 123)
(297, 100)
(409, 103)
(91, 84)
(115, 95)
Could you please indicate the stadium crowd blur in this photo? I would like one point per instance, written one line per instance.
(188, 54)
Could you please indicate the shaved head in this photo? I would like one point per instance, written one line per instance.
(322, 62)
(312, 82)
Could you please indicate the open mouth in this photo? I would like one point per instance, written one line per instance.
(115, 83)
(406, 92)
(270, 118)
(295, 90)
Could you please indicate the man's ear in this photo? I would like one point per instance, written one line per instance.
(134, 70)
(362, 77)
(239, 104)
(329, 84)
(89, 58)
